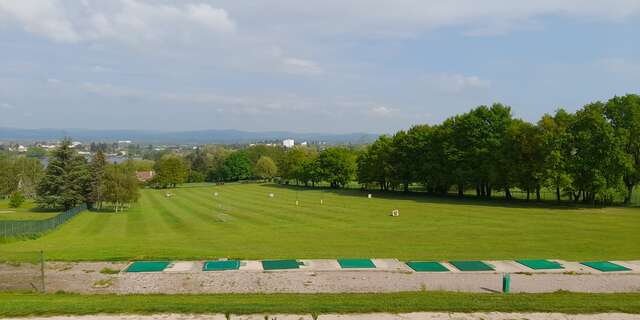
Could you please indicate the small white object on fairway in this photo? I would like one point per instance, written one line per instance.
(321, 201)
(297, 203)
(369, 196)
(215, 194)
(271, 195)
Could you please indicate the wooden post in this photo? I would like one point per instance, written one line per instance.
(42, 269)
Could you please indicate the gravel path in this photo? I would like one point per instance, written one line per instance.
(319, 277)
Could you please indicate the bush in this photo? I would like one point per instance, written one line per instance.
(16, 199)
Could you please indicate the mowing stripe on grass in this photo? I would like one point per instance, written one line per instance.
(356, 264)
(148, 266)
(427, 266)
(471, 266)
(540, 264)
(280, 264)
(605, 266)
(221, 265)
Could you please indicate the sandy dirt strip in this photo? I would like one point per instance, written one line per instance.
(86, 277)
(371, 316)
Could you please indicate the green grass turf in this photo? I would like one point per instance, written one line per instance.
(148, 266)
(427, 266)
(540, 264)
(244, 223)
(221, 265)
(471, 266)
(280, 264)
(605, 266)
(24, 212)
(17, 305)
(356, 263)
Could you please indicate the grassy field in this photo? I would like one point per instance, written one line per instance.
(24, 212)
(14, 305)
(244, 222)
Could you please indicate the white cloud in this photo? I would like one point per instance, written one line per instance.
(41, 17)
(455, 83)
(130, 21)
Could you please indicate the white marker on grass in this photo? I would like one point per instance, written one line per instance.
(369, 196)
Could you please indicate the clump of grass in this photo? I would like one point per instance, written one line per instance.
(104, 283)
(109, 271)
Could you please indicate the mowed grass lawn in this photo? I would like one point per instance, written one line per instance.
(24, 212)
(244, 222)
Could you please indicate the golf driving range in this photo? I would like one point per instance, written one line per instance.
(243, 222)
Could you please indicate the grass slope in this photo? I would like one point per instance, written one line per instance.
(243, 222)
(13, 305)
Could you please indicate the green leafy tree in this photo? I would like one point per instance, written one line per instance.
(338, 166)
(120, 186)
(597, 158)
(266, 168)
(237, 167)
(557, 149)
(66, 182)
(16, 199)
(96, 170)
(171, 170)
(624, 114)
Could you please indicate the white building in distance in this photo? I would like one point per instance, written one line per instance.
(288, 143)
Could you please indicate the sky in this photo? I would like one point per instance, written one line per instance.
(332, 66)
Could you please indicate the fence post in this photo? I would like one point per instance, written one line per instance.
(42, 269)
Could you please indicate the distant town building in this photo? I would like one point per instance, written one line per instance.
(144, 176)
(304, 144)
(288, 143)
(22, 148)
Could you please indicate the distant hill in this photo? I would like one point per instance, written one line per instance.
(178, 137)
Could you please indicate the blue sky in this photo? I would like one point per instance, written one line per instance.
(312, 66)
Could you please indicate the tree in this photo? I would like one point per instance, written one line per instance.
(265, 168)
(374, 164)
(16, 199)
(338, 166)
(170, 171)
(120, 186)
(66, 182)
(624, 114)
(556, 143)
(96, 170)
(237, 167)
(597, 159)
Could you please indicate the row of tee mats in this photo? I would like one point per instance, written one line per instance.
(432, 266)
(418, 266)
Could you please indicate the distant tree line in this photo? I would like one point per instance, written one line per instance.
(592, 155)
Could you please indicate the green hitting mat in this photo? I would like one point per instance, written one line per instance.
(356, 263)
(427, 266)
(471, 266)
(280, 264)
(148, 266)
(605, 266)
(540, 264)
(221, 265)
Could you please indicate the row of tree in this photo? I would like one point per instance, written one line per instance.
(590, 155)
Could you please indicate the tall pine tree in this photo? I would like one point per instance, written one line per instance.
(66, 182)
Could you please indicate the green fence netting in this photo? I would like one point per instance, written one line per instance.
(34, 227)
